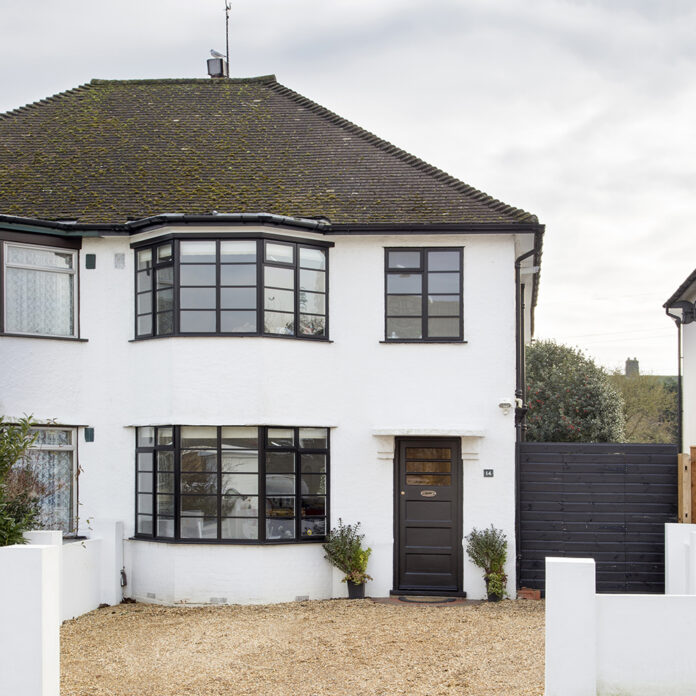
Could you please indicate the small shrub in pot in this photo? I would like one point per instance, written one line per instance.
(344, 550)
(487, 548)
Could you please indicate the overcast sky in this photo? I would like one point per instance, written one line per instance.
(580, 111)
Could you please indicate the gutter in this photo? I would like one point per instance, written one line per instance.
(680, 358)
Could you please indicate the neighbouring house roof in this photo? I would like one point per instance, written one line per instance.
(117, 150)
(681, 290)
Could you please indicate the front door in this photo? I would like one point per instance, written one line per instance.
(428, 509)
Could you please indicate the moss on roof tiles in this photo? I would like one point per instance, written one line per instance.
(114, 150)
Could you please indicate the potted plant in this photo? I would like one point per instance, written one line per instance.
(344, 550)
(487, 548)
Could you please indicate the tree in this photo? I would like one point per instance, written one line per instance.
(20, 491)
(650, 407)
(570, 398)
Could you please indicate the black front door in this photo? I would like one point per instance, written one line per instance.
(428, 510)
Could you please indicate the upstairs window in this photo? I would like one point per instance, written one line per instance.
(40, 290)
(242, 287)
(424, 295)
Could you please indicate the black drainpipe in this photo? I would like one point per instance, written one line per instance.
(520, 411)
(680, 407)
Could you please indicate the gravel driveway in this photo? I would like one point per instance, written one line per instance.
(320, 648)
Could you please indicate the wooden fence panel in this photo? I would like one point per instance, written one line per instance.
(603, 501)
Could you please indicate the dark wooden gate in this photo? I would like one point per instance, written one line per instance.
(603, 501)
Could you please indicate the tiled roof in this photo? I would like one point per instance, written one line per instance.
(114, 150)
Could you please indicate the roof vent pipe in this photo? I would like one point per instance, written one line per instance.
(217, 67)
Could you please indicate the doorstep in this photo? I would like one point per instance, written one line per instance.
(423, 601)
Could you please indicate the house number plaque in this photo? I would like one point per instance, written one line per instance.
(428, 494)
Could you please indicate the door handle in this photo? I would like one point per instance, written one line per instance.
(403, 492)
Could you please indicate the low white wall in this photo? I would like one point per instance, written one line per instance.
(29, 623)
(680, 559)
(604, 645)
(89, 569)
(220, 574)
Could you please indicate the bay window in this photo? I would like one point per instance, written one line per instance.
(232, 483)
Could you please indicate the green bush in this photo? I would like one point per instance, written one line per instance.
(344, 550)
(19, 497)
(487, 548)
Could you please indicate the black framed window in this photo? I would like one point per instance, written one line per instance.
(242, 287)
(235, 484)
(423, 294)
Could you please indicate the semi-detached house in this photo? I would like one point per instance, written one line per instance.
(240, 318)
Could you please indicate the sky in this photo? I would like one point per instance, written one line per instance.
(579, 111)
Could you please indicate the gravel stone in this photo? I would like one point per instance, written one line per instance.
(314, 648)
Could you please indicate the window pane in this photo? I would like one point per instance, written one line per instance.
(427, 480)
(313, 506)
(197, 275)
(240, 529)
(443, 260)
(144, 259)
(313, 484)
(280, 529)
(198, 436)
(238, 250)
(165, 505)
(404, 305)
(444, 305)
(165, 277)
(313, 527)
(444, 282)
(443, 328)
(165, 436)
(199, 483)
(312, 325)
(200, 505)
(144, 524)
(197, 298)
(198, 527)
(238, 298)
(238, 322)
(145, 483)
(280, 462)
(277, 323)
(240, 484)
(279, 300)
(145, 461)
(279, 277)
(164, 252)
(165, 527)
(280, 253)
(313, 438)
(312, 258)
(280, 506)
(312, 302)
(238, 275)
(404, 283)
(240, 437)
(429, 467)
(144, 280)
(313, 463)
(145, 325)
(277, 484)
(404, 259)
(165, 483)
(240, 460)
(165, 300)
(145, 504)
(314, 281)
(39, 302)
(281, 437)
(144, 303)
(428, 453)
(197, 252)
(146, 437)
(197, 322)
(165, 323)
(199, 460)
(404, 328)
(52, 436)
(42, 258)
(240, 505)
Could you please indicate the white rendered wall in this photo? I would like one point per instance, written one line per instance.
(355, 384)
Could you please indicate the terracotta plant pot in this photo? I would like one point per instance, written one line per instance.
(356, 591)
